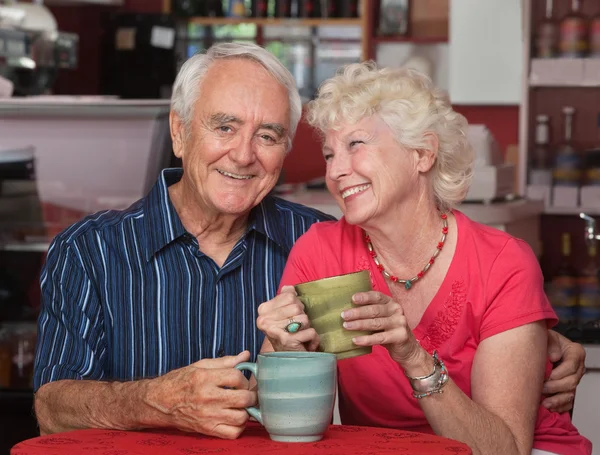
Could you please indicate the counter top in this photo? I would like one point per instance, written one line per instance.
(86, 106)
(491, 214)
(592, 356)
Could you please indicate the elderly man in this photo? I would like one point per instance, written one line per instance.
(146, 311)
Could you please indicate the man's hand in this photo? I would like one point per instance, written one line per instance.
(560, 386)
(207, 397)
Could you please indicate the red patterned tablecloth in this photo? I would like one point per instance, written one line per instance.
(339, 440)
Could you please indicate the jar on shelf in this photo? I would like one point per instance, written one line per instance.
(595, 36)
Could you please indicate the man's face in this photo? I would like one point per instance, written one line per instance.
(237, 138)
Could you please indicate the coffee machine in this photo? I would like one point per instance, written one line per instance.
(32, 49)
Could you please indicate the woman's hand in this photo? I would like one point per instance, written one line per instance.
(384, 316)
(275, 315)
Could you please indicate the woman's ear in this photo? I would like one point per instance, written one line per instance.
(428, 153)
(177, 134)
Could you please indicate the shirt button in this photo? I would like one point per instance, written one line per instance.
(221, 352)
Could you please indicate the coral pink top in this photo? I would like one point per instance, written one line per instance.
(494, 284)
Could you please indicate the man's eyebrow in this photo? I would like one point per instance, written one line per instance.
(277, 128)
(220, 117)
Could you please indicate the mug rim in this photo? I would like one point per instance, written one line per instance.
(330, 278)
(296, 355)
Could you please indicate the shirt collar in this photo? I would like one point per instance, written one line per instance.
(264, 218)
(163, 224)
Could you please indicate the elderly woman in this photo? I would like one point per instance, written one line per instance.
(457, 307)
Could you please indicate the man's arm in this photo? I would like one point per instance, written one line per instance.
(70, 368)
(207, 397)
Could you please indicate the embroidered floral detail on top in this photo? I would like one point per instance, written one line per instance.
(364, 263)
(444, 325)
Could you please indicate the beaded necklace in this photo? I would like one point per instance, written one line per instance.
(409, 283)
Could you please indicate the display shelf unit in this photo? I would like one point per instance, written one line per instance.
(362, 21)
(550, 84)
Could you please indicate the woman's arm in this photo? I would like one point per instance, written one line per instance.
(506, 378)
(500, 417)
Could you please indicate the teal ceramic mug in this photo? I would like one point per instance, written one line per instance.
(296, 394)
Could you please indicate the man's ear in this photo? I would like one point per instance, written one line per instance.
(428, 153)
(177, 134)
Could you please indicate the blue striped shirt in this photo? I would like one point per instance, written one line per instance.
(128, 295)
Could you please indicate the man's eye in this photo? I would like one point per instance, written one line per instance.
(225, 129)
(267, 138)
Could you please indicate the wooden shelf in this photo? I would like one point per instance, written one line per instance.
(411, 39)
(593, 211)
(565, 72)
(208, 21)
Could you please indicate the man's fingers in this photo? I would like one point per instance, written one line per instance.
(228, 361)
(560, 402)
(225, 431)
(238, 399)
(565, 384)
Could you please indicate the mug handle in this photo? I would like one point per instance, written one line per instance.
(251, 366)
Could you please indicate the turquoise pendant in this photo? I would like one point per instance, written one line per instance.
(408, 285)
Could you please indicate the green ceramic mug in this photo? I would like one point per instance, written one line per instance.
(324, 300)
(296, 392)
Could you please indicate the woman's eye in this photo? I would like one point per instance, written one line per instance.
(328, 157)
(353, 143)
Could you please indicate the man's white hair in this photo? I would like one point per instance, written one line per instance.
(187, 86)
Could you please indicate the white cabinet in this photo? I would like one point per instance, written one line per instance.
(586, 410)
(486, 52)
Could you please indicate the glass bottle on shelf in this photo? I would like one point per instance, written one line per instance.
(563, 290)
(259, 8)
(547, 35)
(347, 8)
(213, 8)
(236, 8)
(567, 163)
(187, 8)
(283, 8)
(589, 297)
(573, 33)
(595, 36)
(540, 172)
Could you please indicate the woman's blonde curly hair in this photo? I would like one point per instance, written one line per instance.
(409, 103)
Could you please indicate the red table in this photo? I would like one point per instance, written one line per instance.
(339, 440)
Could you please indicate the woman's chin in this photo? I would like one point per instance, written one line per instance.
(356, 217)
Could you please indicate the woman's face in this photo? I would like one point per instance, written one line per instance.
(368, 172)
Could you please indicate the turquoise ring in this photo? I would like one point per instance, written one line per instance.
(293, 326)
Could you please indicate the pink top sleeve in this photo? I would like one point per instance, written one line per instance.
(515, 291)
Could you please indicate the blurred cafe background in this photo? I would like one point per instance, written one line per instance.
(84, 103)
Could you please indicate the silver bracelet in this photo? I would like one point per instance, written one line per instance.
(434, 382)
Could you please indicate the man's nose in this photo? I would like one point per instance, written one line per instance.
(243, 152)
